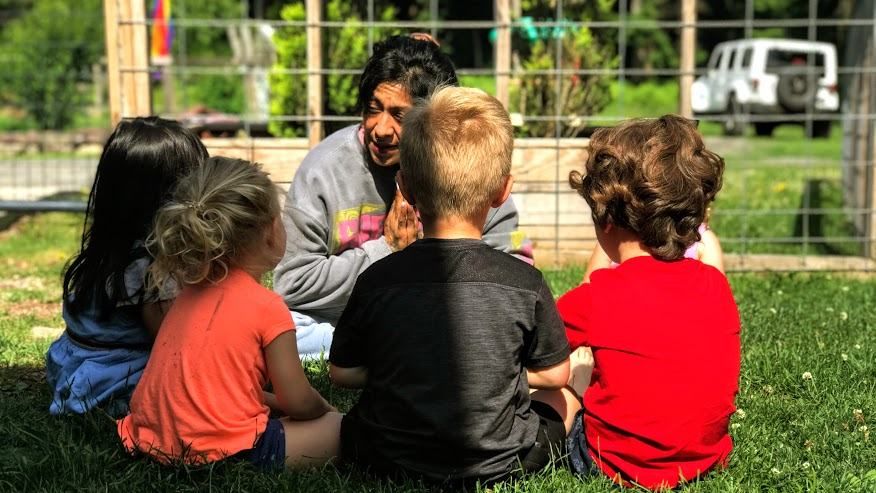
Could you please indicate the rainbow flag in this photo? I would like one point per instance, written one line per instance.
(162, 33)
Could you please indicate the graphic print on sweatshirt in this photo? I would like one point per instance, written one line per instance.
(355, 226)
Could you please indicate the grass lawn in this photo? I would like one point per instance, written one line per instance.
(769, 183)
(792, 433)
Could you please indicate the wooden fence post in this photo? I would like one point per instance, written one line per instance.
(314, 72)
(127, 59)
(502, 15)
(688, 53)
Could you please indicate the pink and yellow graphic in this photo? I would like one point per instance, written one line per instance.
(358, 225)
(161, 34)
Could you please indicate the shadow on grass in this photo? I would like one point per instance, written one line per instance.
(818, 228)
(83, 453)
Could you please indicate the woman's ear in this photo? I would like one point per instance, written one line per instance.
(400, 182)
(504, 192)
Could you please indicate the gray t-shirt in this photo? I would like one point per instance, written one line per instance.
(446, 329)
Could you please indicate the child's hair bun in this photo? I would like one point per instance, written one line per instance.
(217, 212)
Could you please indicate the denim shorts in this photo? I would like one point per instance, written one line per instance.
(269, 451)
(580, 460)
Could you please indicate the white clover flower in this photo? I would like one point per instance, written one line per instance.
(844, 356)
(740, 414)
(735, 426)
(807, 375)
(805, 465)
(776, 471)
(863, 429)
(768, 389)
(844, 316)
(857, 346)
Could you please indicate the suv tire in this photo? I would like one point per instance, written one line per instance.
(820, 129)
(734, 124)
(796, 89)
(764, 129)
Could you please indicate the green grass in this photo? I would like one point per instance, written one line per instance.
(768, 181)
(793, 434)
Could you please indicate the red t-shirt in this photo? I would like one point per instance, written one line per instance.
(665, 340)
(200, 398)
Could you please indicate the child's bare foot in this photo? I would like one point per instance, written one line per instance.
(580, 369)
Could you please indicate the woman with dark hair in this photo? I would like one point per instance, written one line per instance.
(344, 211)
(111, 316)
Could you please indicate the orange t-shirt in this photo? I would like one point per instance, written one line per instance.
(200, 397)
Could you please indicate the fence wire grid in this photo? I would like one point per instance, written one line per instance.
(795, 200)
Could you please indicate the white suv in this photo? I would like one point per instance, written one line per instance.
(760, 80)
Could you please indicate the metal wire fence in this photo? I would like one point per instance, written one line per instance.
(790, 202)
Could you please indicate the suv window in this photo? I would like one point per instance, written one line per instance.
(732, 59)
(715, 62)
(778, 59)
(746, 57)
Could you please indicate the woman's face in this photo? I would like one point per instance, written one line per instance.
(382, 122)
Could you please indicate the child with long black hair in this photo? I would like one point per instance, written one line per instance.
(111, 317)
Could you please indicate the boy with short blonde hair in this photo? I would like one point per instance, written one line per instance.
(458, 152)
(448, 336)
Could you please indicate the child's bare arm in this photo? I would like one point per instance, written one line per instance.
(550, 378)
(711, 252)
(598, 260)
(153, 314)
(295, 397)
(349, 378)
(271, 401)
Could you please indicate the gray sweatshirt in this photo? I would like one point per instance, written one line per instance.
(334, 225)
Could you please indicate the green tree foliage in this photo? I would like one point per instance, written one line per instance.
(343, 48)
(289, 91)
(571, 95)
(649, 46)
(205, 41)
(47, 55)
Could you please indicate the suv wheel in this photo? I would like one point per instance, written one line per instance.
(734, 123)
(764, 129)
(820, 129)
(796, 89)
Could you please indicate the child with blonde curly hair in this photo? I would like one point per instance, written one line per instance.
(201, 399)
(663, 328)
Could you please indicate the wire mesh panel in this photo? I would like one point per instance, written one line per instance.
(782, 91)
(53, 111)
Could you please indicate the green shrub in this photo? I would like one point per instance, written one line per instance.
(47, 55)
(344, 48)
(218, 92)
(578, 95)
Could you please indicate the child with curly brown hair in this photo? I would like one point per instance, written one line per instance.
(663, 328)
